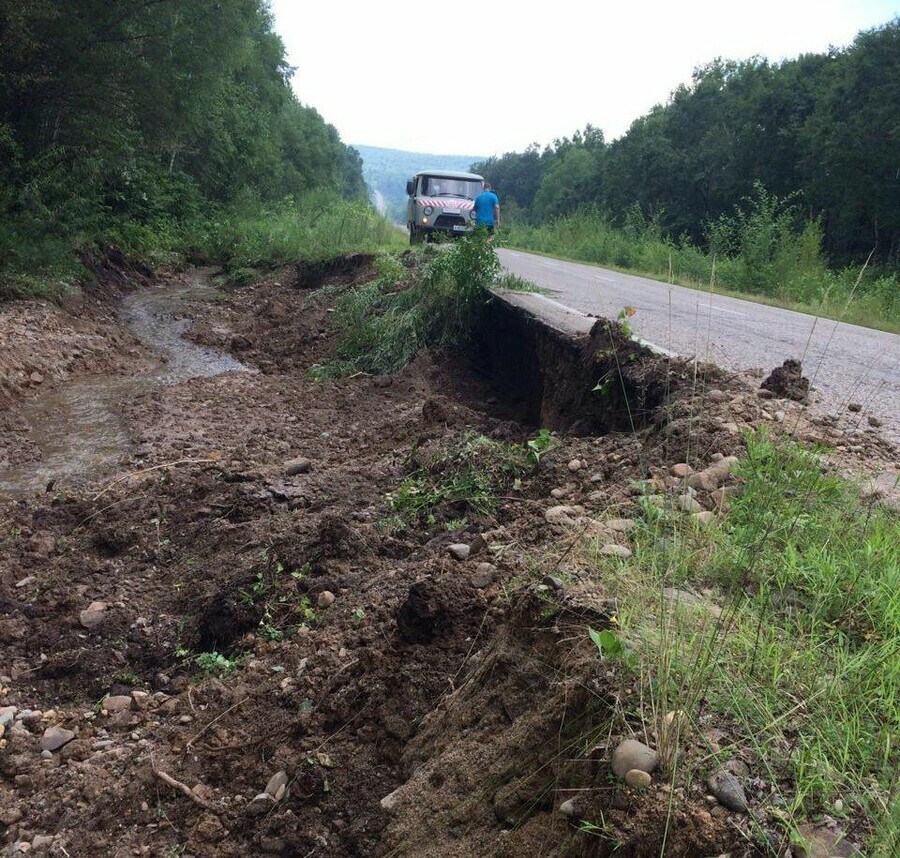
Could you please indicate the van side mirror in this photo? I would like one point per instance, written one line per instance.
(410, 188)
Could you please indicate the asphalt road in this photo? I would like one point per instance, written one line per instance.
(845, 363)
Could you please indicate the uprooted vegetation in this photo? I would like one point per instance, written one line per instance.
(269, 605)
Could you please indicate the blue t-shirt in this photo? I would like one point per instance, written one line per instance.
(484, 208)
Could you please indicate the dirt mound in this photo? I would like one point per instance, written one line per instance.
(787, 381)
(524, 732)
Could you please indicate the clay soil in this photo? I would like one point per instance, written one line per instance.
(418, 705)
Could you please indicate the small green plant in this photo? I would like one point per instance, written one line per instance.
(607, 642)
(539, 445)
(359, 614)
(215, 663)
(623, 316)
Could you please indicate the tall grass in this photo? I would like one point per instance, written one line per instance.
(795, 652)
(384, 323)
(318, 226)
(763, 255)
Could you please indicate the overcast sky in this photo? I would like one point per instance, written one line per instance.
(491, 77)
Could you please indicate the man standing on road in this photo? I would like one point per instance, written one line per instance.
(487, 209)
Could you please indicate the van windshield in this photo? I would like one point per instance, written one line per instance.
(440, 186)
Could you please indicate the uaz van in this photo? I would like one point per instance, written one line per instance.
(441, 201)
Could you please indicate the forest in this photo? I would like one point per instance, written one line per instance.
(137, 122)
(815, 139)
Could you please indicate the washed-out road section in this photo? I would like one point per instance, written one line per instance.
(845, 363)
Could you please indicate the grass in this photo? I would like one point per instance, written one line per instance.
(793, 277)
(464, 477)
(796, 649)
(433, 304)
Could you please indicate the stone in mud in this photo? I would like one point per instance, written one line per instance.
(875, 422)
(93, 615)
(484, 575)
(575, 465)
(855, 407)
(613, 550)
(682, 469)
(637, 779)
(117, 703)
(459, 551)
(823, 841)
(325, 599)
(297, 466)
(570, 807)
(277, 785)
(262, 803)
(688, 504)
(632, 754)
(55, 737)
(728, 791)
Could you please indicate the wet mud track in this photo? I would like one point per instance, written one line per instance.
(230, 610)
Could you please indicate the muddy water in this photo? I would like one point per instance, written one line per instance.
(77, 427)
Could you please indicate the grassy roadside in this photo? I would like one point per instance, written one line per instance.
(793, 277)
(779, 624)
(243, 239)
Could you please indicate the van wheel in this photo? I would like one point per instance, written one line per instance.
(415, 235)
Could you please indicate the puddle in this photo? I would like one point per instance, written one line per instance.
(77, 426)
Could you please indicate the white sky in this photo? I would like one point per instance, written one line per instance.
(494, 76)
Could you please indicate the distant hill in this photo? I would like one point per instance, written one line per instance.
(386, 172)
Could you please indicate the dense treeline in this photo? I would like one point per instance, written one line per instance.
(820, 133)
(131, 117)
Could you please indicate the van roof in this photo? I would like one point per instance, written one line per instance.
(450, 174)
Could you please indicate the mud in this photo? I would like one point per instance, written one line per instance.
(353, 655)
(787, 381)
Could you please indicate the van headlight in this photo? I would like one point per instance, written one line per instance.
(472, 214)
(428, 210)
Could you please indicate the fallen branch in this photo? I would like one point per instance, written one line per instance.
(182, 787)
(140, 473)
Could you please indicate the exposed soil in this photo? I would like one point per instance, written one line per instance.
(417, 704)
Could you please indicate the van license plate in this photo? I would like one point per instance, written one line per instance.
(458, 227)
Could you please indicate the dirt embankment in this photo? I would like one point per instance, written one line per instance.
(223, 645)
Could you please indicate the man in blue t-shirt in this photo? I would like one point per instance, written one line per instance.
(487, 209)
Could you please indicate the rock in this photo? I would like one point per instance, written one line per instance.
(874, 421)
(823, 841)
(117, 703)
(681, 470)
(262, 803)
(570, 808)
(25, 582)
(477, 545)
(704, 518)
(732, 428)
(728, 790)
(9, 816)
(297, 466)
(389, 802)
(686, 503)
(55, 737)
(637, 779)
(619, 525)
(738, 768)
(575, 465)
(562, 492)
(325, 599)
(484, 575)
(762, 393)
(277, 785)
(632, 754)
(569, 516)
(553, 582)
(614, 550)
(36, 377)
(779, 416)
(855, 407)
(458, 551)
(716, 395)
(93, 615)
(7, 715)
(702, 481)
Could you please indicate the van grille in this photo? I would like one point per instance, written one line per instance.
(448, 221)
